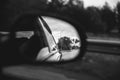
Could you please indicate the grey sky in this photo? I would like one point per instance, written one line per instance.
(61, 28)
(100, 3)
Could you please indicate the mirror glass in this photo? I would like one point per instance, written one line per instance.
(58, 40)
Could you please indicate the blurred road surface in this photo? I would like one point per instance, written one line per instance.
(42, 73)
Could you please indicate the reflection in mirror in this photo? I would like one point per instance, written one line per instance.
(61, 38)
(58, 40)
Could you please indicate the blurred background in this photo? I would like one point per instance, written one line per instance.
(101, 20)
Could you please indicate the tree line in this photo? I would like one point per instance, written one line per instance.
(65, 43)
(94, 19)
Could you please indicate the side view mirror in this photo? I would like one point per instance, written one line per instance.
(50, 39)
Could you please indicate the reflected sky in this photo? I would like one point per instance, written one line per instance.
(60, 28)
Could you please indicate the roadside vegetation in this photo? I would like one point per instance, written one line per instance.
(100, 23)
(97, 20)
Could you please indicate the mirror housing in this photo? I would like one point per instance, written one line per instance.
(75, 28)
(14, 11)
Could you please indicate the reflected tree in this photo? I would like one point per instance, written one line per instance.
(64, 43)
